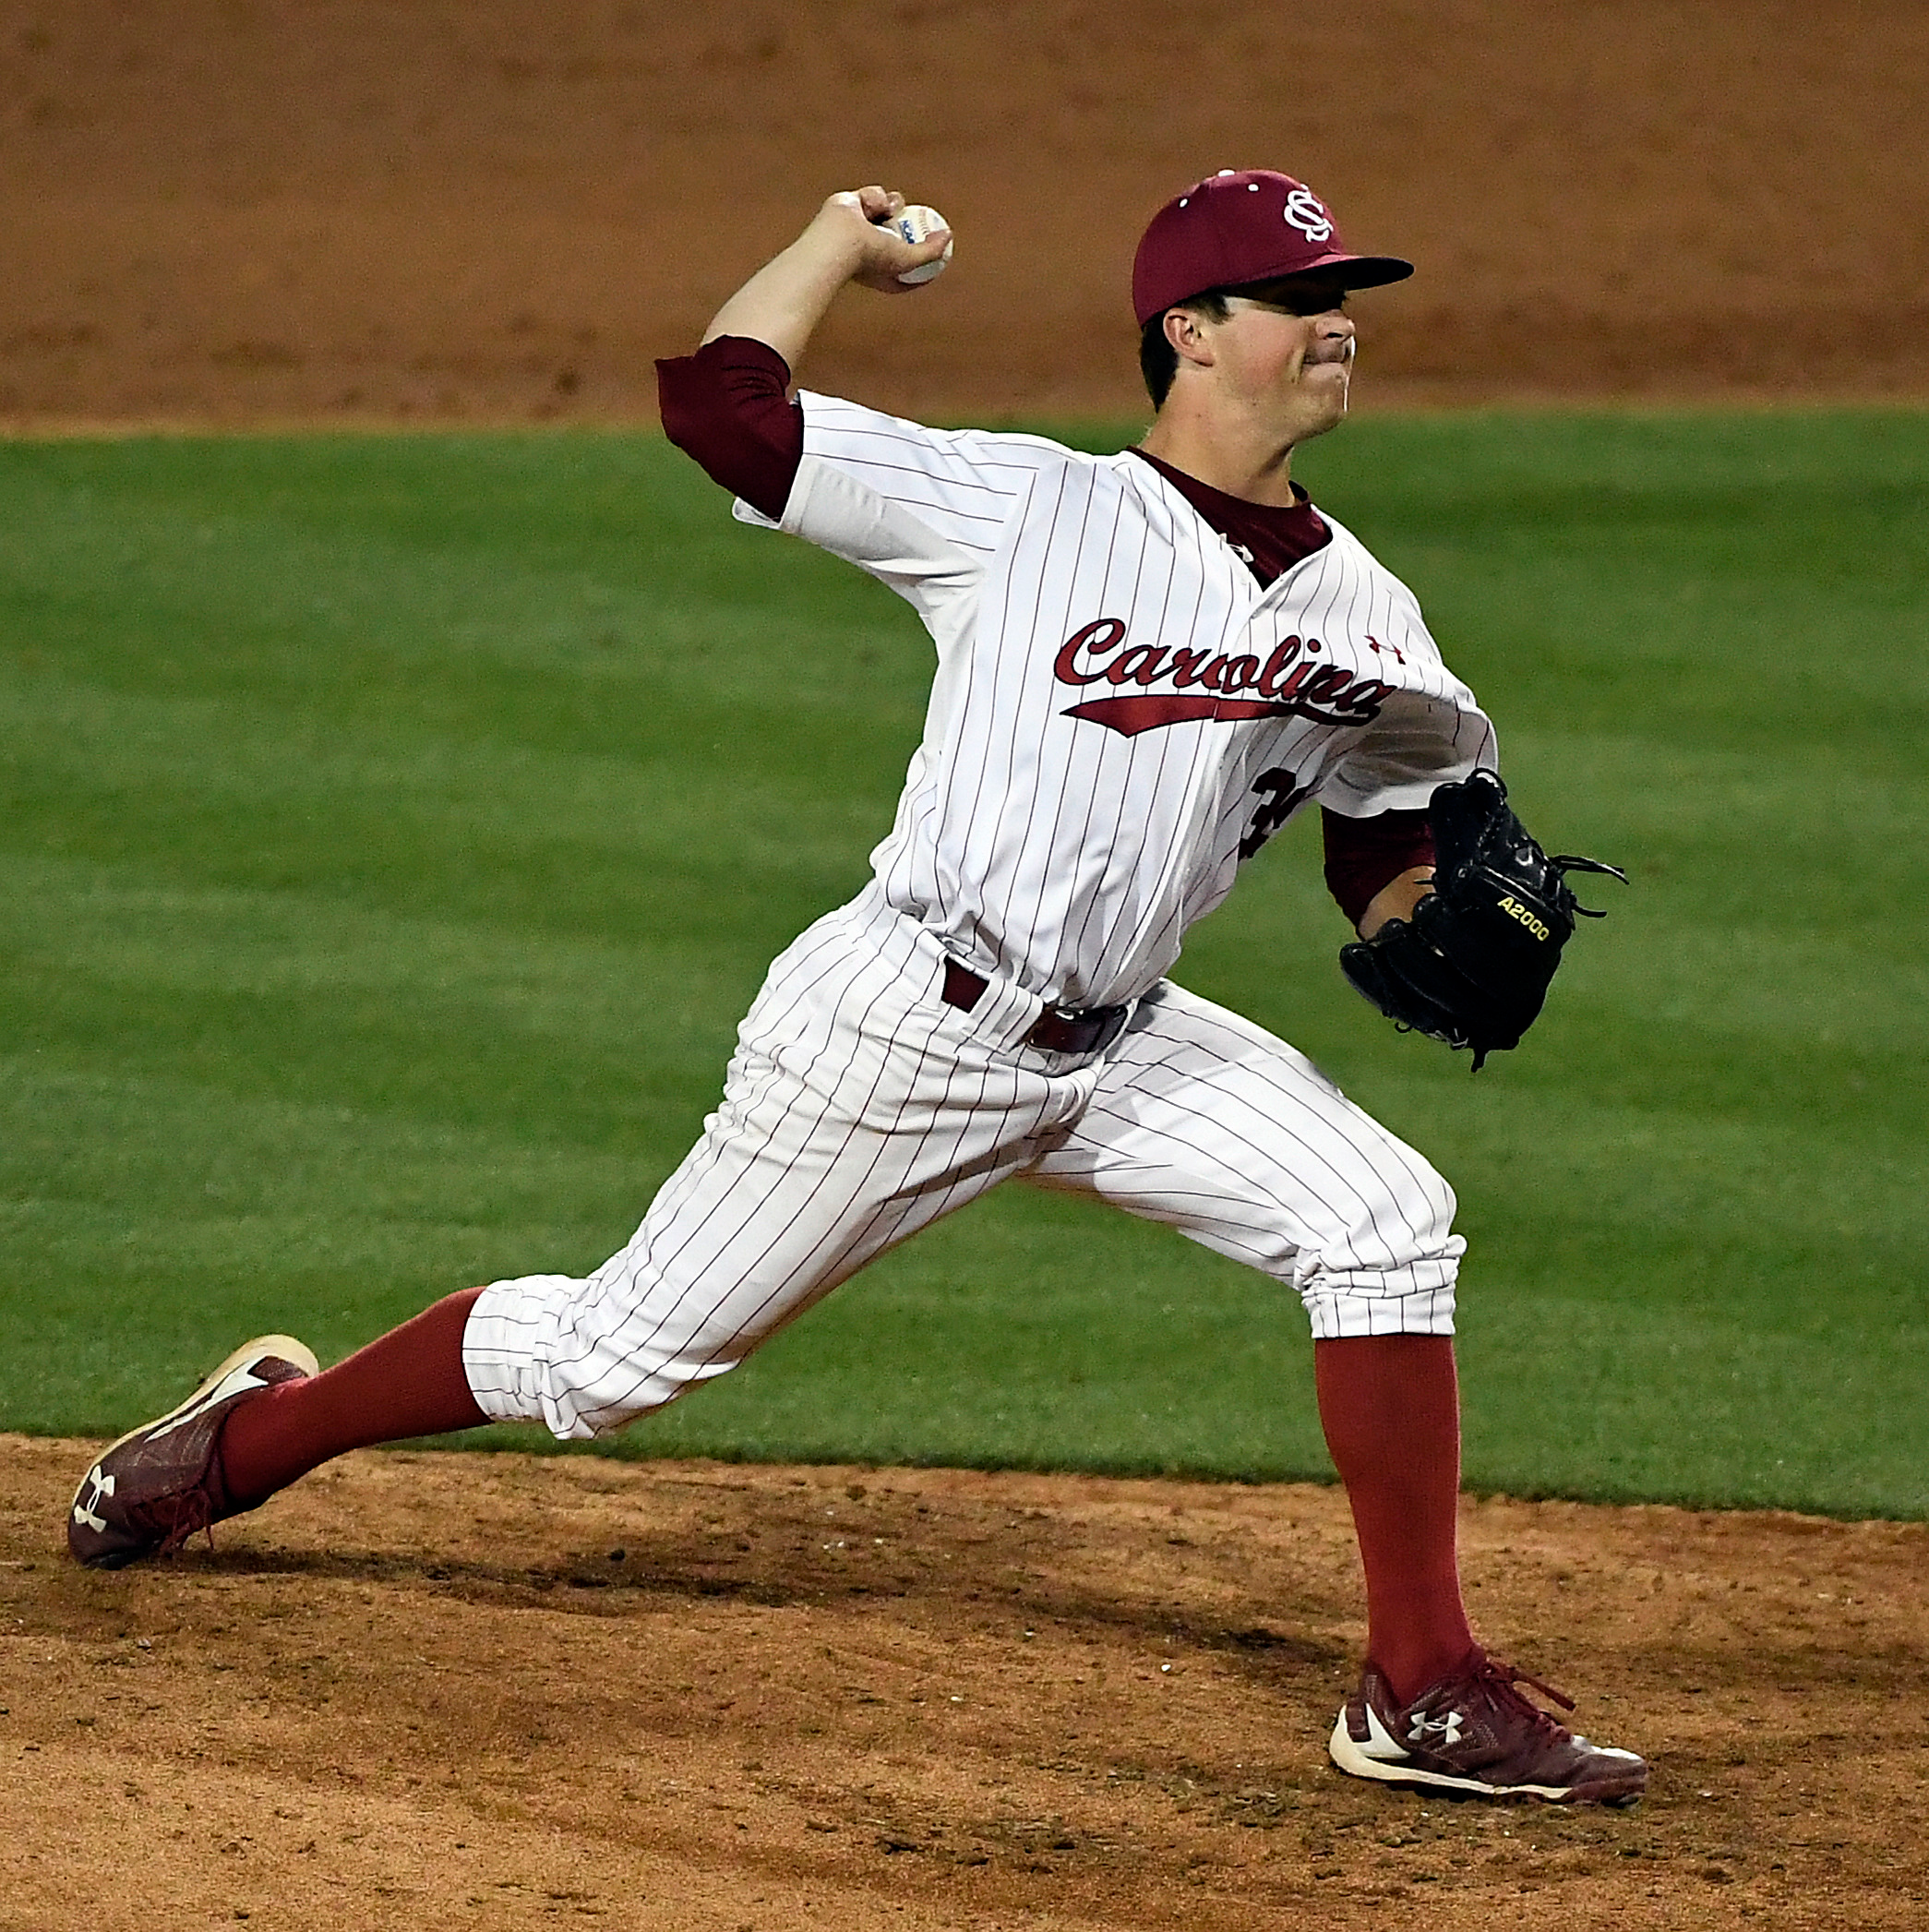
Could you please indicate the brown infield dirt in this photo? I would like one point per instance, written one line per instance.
(246, 211)
(429, 1691)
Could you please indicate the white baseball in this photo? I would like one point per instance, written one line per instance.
(913, 225)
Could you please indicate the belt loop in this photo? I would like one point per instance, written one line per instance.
(962, 987)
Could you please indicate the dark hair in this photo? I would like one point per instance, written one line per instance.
(1158, 360)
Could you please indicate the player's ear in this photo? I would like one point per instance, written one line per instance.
(1188, 340)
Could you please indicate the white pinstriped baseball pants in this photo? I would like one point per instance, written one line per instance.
(858, 1107)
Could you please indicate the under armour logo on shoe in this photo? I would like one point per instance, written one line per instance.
(1436, 1729)
(84, 1512)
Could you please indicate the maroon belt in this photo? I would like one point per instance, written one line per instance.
(1059, 1029)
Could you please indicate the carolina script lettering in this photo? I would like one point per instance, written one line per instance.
(1175, 687)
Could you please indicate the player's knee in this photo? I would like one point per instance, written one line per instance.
(1424, 1230)
(1385, 1229)
(640, 1387)
(1392, 1270)
(544, 1349)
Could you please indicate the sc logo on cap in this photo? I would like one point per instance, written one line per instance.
(1305, 211)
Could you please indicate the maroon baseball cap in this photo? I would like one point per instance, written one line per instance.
(1242, 225)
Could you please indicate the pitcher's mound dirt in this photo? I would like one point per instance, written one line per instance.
(240, 211)
(440, 1691)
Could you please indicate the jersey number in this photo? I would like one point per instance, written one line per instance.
(1282, 793)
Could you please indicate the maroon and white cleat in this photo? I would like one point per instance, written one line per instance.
(1475, 1734)
(158, 1485)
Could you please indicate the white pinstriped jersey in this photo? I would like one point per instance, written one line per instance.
(1121, 714)
(1120, 717)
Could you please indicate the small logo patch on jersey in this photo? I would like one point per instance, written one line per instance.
(1305, 211)
(1188, 687)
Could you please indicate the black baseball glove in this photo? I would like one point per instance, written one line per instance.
(1473, 964)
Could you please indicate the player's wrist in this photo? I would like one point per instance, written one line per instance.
(844, 243)
(839, 235)
(1395, 900)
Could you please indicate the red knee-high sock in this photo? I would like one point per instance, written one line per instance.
(1390, 1405)
(409, 1382)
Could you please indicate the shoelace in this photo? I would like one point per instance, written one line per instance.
(176, 1518)
(1498, 1680)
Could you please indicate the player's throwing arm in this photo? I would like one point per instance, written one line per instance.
(863, 235)
(1146, 662)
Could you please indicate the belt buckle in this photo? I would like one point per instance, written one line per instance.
(1069, 1026)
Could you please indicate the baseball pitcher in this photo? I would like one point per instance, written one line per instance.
(1144, 665)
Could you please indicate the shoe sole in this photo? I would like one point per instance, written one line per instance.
(1351, 1759)
(285, 1347)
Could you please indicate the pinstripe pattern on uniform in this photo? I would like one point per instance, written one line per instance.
(860, 1108)
(1205, 1120)
(1050, 846)
(1064, 861)
(962, 482)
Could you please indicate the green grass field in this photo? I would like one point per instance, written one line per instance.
(395, 828)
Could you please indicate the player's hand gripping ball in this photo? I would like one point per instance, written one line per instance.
(913, 225)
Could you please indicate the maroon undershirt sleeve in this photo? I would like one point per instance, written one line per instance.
(1363, 855)
(727, 407)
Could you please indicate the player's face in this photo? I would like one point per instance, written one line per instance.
(1287, 350)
